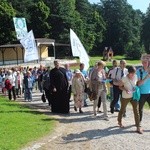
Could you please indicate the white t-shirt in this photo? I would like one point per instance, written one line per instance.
(116, 74)
(129, 85)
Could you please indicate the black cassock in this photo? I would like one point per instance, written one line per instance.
(60, 100)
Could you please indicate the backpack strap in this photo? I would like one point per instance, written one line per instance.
(141, 73)
(116, 72)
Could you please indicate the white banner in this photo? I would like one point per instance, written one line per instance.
(78, 49)
(31, 52)
(20, 27)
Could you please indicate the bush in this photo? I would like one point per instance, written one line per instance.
(134, 51)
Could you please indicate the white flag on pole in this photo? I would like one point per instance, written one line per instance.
(31, 52)
(78, 49)
(20, 27)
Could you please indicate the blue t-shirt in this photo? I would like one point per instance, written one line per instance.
(69, 75)
(145, 87)
(84, 72)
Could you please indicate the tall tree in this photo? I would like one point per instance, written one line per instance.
(84, 8)
(21, 7)
(134, 47)
(146, 31)
(114, 13)
(98, 27)
(122, 22)
(7, 31)
(39, 13)
(61, 18)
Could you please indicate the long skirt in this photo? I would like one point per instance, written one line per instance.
(60, 102)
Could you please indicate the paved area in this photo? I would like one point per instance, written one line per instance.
(87, 132)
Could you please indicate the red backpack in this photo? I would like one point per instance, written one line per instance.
(8, 85)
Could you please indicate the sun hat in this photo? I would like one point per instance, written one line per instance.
(9, 71)
(77, 71)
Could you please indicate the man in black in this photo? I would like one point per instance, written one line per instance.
(59, 87)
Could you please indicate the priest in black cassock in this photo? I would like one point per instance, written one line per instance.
(59, 87)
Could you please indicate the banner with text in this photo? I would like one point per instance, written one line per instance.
(20, 27)
(31, 52)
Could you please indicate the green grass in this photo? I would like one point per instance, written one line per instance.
(95, 59)
(146, 106)
(20, 125)
(108, 63)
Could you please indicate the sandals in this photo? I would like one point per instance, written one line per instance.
(139, 131)
(120, 125)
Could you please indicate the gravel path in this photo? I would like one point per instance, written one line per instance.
(87, 132)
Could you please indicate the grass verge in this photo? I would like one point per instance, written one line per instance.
(20, 125)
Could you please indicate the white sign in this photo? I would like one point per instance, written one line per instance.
(31, 52)
(78, 49)
(20, 27)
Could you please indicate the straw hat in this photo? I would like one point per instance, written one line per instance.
(77, 71)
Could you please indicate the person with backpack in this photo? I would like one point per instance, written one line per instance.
(46, 84)
(117, 74)
(127, 86)
(10, 85)
(114, 65)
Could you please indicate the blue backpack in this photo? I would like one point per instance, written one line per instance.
(136, 94)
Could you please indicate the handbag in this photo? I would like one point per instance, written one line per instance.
(93, 96)
(136, 94)
(43, 98)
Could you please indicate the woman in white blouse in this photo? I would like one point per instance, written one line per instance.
(128, 86)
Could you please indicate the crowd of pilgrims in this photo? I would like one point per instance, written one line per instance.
(60, 82)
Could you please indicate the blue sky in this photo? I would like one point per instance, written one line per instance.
(136, 4)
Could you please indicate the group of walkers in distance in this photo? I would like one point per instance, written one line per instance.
(59, 83)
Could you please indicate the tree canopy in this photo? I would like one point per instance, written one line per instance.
(109, 23)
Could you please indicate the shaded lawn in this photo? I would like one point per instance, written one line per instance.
(95, 59)
(20, 125)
